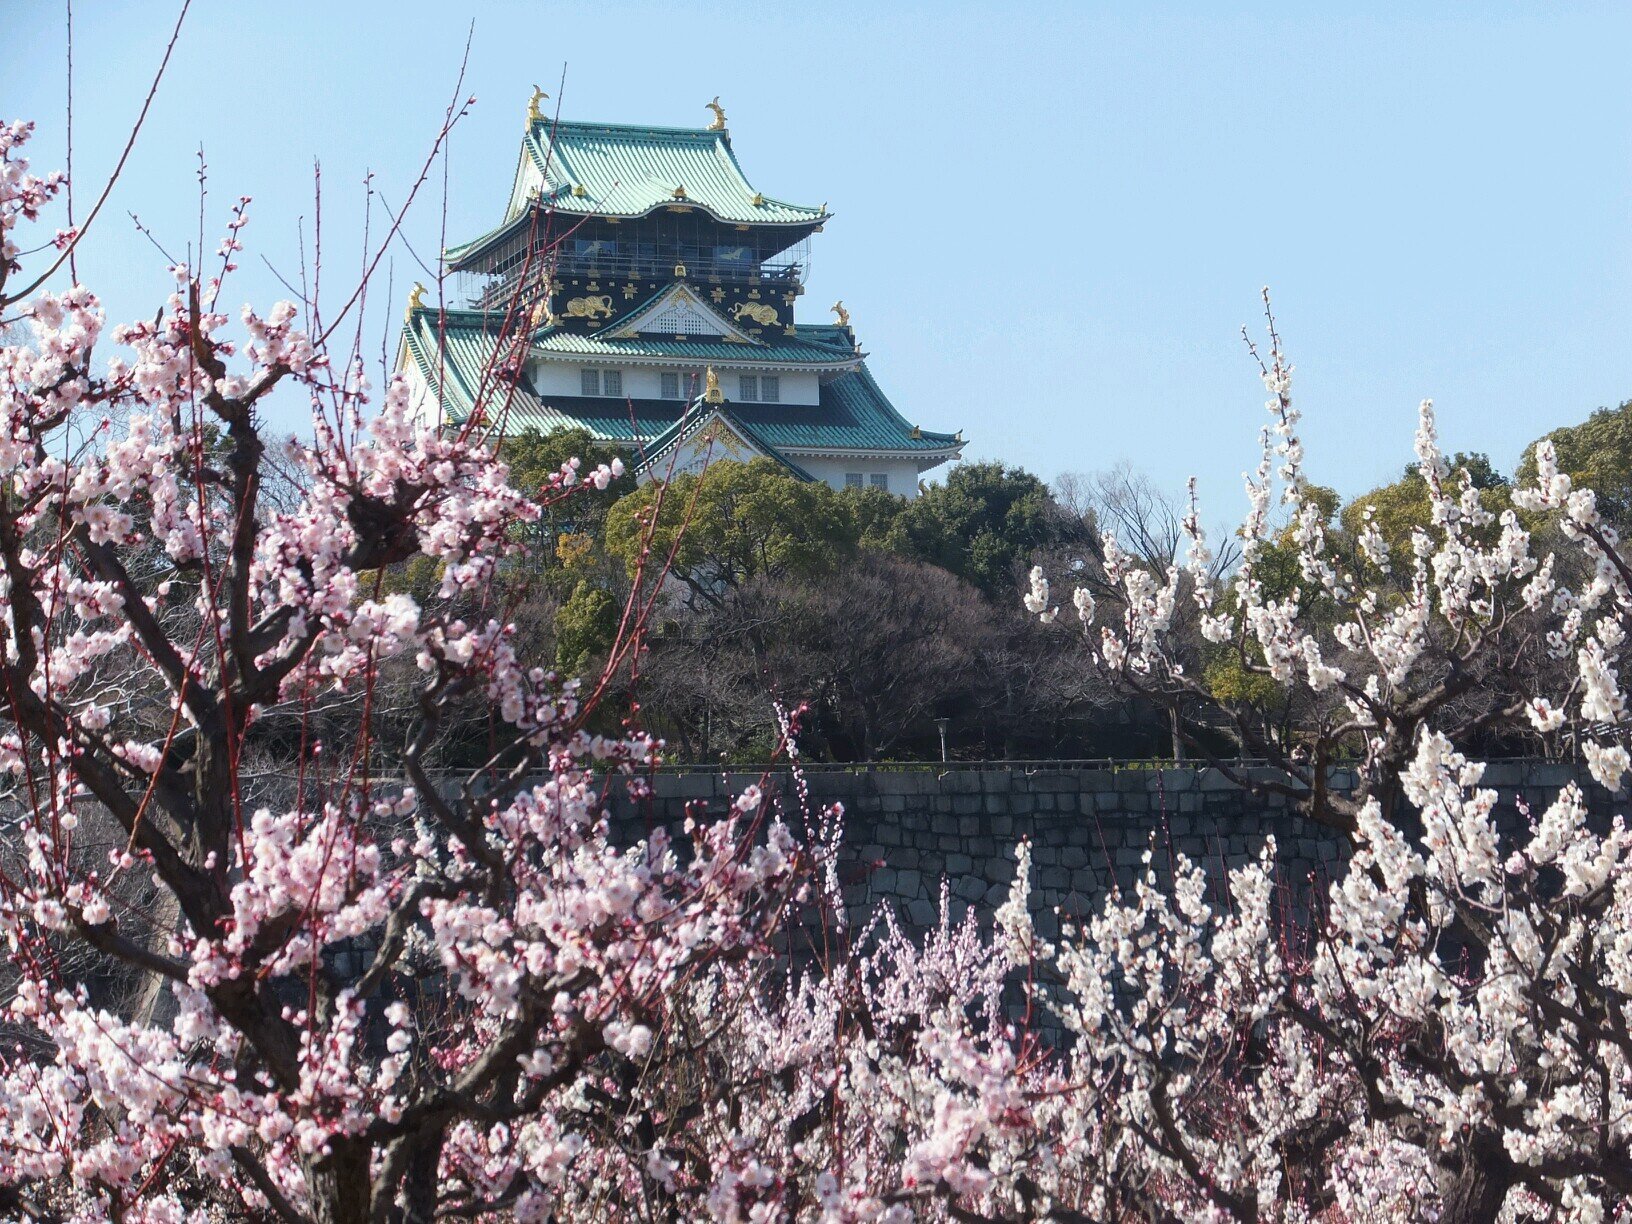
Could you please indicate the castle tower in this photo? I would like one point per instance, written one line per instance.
(632, 262)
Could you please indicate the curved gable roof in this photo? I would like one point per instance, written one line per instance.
(627, 171)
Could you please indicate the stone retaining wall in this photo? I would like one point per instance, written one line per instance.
(907, 829)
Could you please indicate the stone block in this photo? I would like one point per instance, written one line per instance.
(1173, 781)
(923, 914)
(969, 888)
(1056, 878)
(900, 782)
(959, 864)
(1553, 775)
(908, 883)
(965, 805)
(687, 786)
(1073, 857)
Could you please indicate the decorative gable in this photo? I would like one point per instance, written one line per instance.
(676, 313)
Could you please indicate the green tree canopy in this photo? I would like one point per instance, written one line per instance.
(983, 524)
(535, 456)
(746, 519)
(1597, 454)
(1400, 508)
(873, 513)
(585, 627)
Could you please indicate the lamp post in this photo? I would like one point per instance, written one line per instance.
(941, 724)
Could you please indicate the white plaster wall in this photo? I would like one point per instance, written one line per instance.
(421, 403)
(903, 473)
(561, 377)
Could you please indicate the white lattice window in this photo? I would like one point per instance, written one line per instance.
(601, 382)
(679, 321)
(852, 480)
(770, 388)
(748, 387)
(670, 386)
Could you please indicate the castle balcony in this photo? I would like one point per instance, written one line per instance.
(495, 284)
(700, 265)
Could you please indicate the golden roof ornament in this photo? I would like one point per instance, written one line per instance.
(534, 115)
(917, 433)
(719, 114)
(711, 388)
(679, 192)
(842, 313)
(759, 200)
(415, 300)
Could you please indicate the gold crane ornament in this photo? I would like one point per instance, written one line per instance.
(842, 313)
(415, 299)
(534, 115)
(719, 114)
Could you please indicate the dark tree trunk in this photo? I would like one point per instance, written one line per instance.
(1473, 1182)
(339, 1184)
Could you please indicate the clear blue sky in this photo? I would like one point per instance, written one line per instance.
(1051, 219)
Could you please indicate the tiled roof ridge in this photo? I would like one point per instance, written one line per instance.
(710, 135)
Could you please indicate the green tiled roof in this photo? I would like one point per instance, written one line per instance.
(853, 413)
(517, 224)
(627, 171)
(468, 343)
